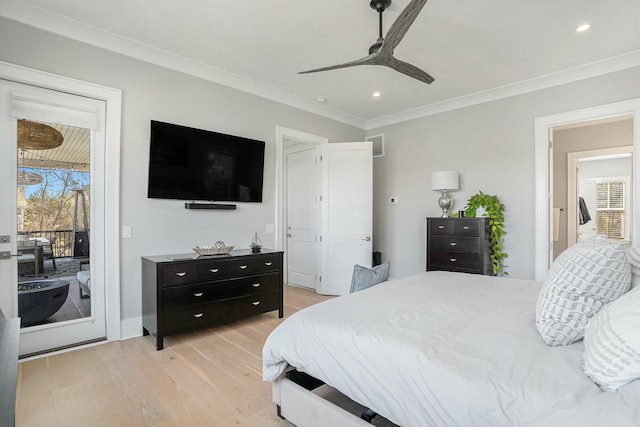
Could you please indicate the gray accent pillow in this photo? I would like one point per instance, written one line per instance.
(612, 343)
(581, 281)
(364, 277)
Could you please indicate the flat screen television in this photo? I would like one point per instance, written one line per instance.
(199, 165)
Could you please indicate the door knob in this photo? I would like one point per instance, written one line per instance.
(289, 235)
(367, 239)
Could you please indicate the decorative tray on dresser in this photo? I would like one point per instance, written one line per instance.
(184, 292)
(459, 244)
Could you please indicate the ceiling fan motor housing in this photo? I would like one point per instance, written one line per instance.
(380, 5)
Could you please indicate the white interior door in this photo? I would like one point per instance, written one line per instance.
(347, 213)
(19, 101)
(302, 205)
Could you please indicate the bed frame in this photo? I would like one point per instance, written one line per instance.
(308, 402)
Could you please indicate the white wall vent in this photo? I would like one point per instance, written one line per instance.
(377, 141)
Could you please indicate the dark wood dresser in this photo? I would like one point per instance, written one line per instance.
(459, 244)
(184, 292)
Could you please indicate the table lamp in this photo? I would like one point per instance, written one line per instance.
(445, 181)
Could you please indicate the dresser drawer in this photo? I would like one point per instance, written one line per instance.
(255, 264)
(455, 244)
(195, 294)
(179, 274)
(254, 304)
(467, 227)
(215, 269)
(455, 261)
(254, 285)
(441, 226)
(185, 317)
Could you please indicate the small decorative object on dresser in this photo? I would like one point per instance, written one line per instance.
(256, 243)
(184, 292)
(459, 244)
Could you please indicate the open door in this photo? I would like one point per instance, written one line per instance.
(347, 213)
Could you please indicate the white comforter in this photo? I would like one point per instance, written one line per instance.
(447, 349)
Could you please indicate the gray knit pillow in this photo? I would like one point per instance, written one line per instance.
(581, 281)
(612, 343)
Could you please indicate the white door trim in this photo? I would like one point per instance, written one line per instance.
(543, 207)
(113, 99)
(283, 134)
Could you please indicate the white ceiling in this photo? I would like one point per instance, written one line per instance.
(476, 50)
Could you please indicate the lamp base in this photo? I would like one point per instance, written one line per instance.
(446, 203)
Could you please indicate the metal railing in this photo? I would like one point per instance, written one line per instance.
(63, 247)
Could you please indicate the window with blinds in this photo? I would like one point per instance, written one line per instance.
(610, 208)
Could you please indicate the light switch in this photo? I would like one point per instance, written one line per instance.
(270, 228)
(126, 232)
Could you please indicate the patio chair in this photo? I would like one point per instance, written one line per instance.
(28, 254)
(47, 251)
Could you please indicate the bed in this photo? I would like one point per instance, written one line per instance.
(439, 349)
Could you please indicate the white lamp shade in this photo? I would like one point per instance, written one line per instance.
(445, 180)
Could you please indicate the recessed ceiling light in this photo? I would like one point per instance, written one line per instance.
(376, 94)
(321, 99)
(583, 27)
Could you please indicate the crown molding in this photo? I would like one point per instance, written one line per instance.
(610, 65)
(58, 24)
(61, 25)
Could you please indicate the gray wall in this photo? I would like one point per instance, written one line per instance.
(492, 146)
(152, 92)
(606, 135)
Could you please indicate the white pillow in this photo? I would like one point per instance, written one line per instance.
(581, 281)
(633, 255)
(612, 343)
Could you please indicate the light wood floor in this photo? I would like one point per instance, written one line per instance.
(209, 377)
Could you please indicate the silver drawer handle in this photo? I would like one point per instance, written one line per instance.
(453, 243)
(181, 274)
(255, 285)
(213, 270)
(268, 263)
(198, 315)
(466, 227)
(242, 267)
(453, 259)
(441, 227)
(256, 303)
(198, 294)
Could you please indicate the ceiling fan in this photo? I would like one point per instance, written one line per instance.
(381, 52)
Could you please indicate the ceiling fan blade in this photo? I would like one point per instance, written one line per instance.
(400, 27)
(367, 60)
(407, 69)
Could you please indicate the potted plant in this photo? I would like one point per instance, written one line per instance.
(495, 211)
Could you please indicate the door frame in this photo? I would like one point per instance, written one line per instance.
(572, 185)
(113, 99)
(543, 171)
(282, 135)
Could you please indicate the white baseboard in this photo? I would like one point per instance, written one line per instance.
(131, 328)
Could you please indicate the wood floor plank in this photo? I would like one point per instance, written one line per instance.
(208, 377)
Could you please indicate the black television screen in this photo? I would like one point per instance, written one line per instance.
(193, 164)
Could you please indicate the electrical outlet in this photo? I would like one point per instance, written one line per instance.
(393, 200)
